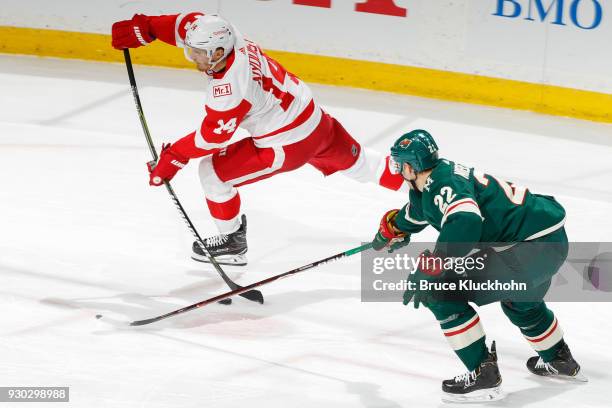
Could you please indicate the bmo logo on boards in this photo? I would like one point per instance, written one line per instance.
(385, 7)
(584, 14)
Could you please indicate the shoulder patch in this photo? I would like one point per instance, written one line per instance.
(222, 90)
(461, 170)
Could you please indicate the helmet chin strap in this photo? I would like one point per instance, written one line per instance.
(211, 70)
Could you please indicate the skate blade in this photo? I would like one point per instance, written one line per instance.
(488, 395)
(579, 377)
(236, 260)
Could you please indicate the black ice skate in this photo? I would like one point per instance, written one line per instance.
(480, 385)
(563, 366)
(227, 249)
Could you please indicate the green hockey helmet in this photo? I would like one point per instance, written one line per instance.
(417, 148)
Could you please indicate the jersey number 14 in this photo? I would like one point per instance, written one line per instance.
(227, 127)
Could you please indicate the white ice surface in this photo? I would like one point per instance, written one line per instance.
(82, 233)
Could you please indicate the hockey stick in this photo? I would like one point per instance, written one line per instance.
(253, 295)
(239, 291)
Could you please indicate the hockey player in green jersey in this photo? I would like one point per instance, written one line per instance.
(471, 209)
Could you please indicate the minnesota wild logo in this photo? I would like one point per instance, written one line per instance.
(405, 143)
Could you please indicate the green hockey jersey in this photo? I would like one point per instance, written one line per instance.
(468, 206)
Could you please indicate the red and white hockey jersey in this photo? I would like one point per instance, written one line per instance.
(253, 92)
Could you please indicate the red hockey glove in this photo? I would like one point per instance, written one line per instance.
(388, 234)
(167, 166)
(132, 33)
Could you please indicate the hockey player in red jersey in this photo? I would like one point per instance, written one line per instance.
(250, 90)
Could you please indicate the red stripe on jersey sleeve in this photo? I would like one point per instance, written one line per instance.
(467, 201)
(165, 28)
(219, 126)
(186, 147)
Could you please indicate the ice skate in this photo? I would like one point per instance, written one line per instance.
(228, 249)
(563, 366)
(480, 385)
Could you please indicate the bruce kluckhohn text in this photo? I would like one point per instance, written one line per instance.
(462, 285)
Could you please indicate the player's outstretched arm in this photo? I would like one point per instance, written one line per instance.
(141, 30)
(133, 33)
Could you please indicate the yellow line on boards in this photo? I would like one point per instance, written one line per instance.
(335, 71)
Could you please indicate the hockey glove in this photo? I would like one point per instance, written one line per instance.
(167, 166)
(388, 235)
(132, 33)
(429, 269)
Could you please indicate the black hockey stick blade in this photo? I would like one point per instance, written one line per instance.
(145, 321)
(240, 290)
(253, 295)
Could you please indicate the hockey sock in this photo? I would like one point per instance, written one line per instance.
(538, 325)
(462, 328)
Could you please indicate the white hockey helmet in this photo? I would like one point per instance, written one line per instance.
(208, 33)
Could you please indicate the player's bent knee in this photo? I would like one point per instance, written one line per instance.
(211, 183)
(205, 168)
